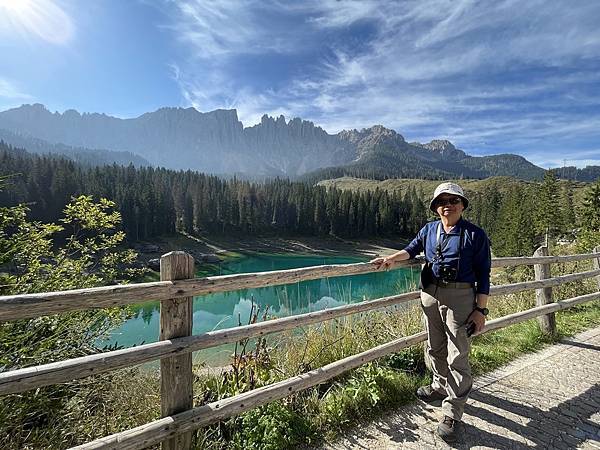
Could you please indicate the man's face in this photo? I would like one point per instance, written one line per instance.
(450, 206)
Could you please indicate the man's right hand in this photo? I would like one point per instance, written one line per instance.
(381, 263)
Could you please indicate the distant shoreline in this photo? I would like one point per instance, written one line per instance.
(228, 247)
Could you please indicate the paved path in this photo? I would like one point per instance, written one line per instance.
(546, 400)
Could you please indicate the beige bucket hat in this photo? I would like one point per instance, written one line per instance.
(448, 188)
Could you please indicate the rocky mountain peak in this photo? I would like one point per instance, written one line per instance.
(372, 139)
(380, 130)
(71, 114)
(376, 133)
(229, 115)
(30, 111)
(444, 148)
(217, 142)
(268, 121)
(192, 114)
(37, 107)
(168, 110)
(440, 145)
(351, 136)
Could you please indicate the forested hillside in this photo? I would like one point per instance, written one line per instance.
(515, 213)
(155, 202)
(502, 184)
(588, 173)
(385, 162)
(92, 157)
(159, 201)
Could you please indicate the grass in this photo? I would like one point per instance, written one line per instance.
(326, 411)
(124, 399)
(89, 409)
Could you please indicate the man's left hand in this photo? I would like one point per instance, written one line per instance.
(478, 319)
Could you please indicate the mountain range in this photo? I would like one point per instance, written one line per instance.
(217, 142)
(81, 155)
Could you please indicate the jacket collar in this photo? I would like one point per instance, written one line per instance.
(456, 229)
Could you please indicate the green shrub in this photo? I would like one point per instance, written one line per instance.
(271, 427)
(82, 251)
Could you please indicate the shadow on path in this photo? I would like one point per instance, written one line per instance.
(403, 426)
(580, 344)
(566, 425)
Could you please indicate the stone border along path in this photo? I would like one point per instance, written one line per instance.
(545, 400)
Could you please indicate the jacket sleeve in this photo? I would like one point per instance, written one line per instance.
(482, 262)
(416, 245)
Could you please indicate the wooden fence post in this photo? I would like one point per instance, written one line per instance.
(176, 378)
(597, 264)
(544, 296)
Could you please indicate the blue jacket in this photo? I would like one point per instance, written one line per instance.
(475, 258)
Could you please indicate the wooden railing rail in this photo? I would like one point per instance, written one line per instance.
(158, 430)
(58, 372)
(175, 350)
(543, 296)
(32, 377)
(176, 321)
(512, 261)
(26, 306)
(539, 284)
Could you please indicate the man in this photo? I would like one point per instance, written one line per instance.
(455, 284)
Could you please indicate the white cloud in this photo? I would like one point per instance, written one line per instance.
(335, 14)
(428, 69)
(10, 91)
(225, 27)
(42, 18)
(578, 159)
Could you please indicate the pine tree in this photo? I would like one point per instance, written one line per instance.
(320, 216)
(568, 220)
(548, 217)
(514, 235)
(589, 219)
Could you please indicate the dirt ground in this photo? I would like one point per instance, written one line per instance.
(224, 247)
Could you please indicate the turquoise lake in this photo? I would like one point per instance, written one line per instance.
(222, 310)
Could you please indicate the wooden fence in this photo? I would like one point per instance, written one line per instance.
(176, 291)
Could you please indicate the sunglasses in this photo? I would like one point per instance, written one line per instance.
(448, 201)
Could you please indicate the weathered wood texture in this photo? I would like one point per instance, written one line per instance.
(32, 377)
(538, 310)
(34, 305)
(154, 432)
(531, 260)
(597, 264)
(176, 323)
(539, 284)
(544, 296)
(58, 372)
(158, 430)
(176, 376)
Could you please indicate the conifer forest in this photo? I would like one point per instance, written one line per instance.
(157, 201)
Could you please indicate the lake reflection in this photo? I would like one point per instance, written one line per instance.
(227, 309)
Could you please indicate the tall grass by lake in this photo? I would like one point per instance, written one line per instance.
(114, 402)
(230, 309)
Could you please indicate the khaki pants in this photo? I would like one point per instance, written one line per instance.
(446, 311)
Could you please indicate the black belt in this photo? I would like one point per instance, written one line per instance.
(452, 284)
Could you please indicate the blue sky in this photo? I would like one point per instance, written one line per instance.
(491, 76)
